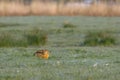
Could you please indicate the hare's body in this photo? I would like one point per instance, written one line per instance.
(42, 54)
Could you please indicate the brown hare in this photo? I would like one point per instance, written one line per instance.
(42, 54)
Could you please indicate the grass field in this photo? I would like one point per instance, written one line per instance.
(69, 59)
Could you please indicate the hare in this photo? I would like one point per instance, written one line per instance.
(42, 54)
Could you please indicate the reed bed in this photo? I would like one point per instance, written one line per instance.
(54, 8)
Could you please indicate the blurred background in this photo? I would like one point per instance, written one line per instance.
(60, 7)
(85, 1)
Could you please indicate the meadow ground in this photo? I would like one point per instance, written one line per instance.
(69, 59)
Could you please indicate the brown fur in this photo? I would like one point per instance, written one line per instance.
(42, 54)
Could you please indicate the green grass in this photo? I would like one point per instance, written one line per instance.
(70, 63)
(68, 60)
(9, 24)
(68, 25)
(26, 38)
(36, 37)
(99, 39)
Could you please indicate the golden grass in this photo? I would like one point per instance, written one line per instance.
(53, 8)
(12, 8)
(41, 8)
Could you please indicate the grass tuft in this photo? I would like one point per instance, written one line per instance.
(68, 25)
(99, 39)
(29, 38)
(9, 24)
(36, 37)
